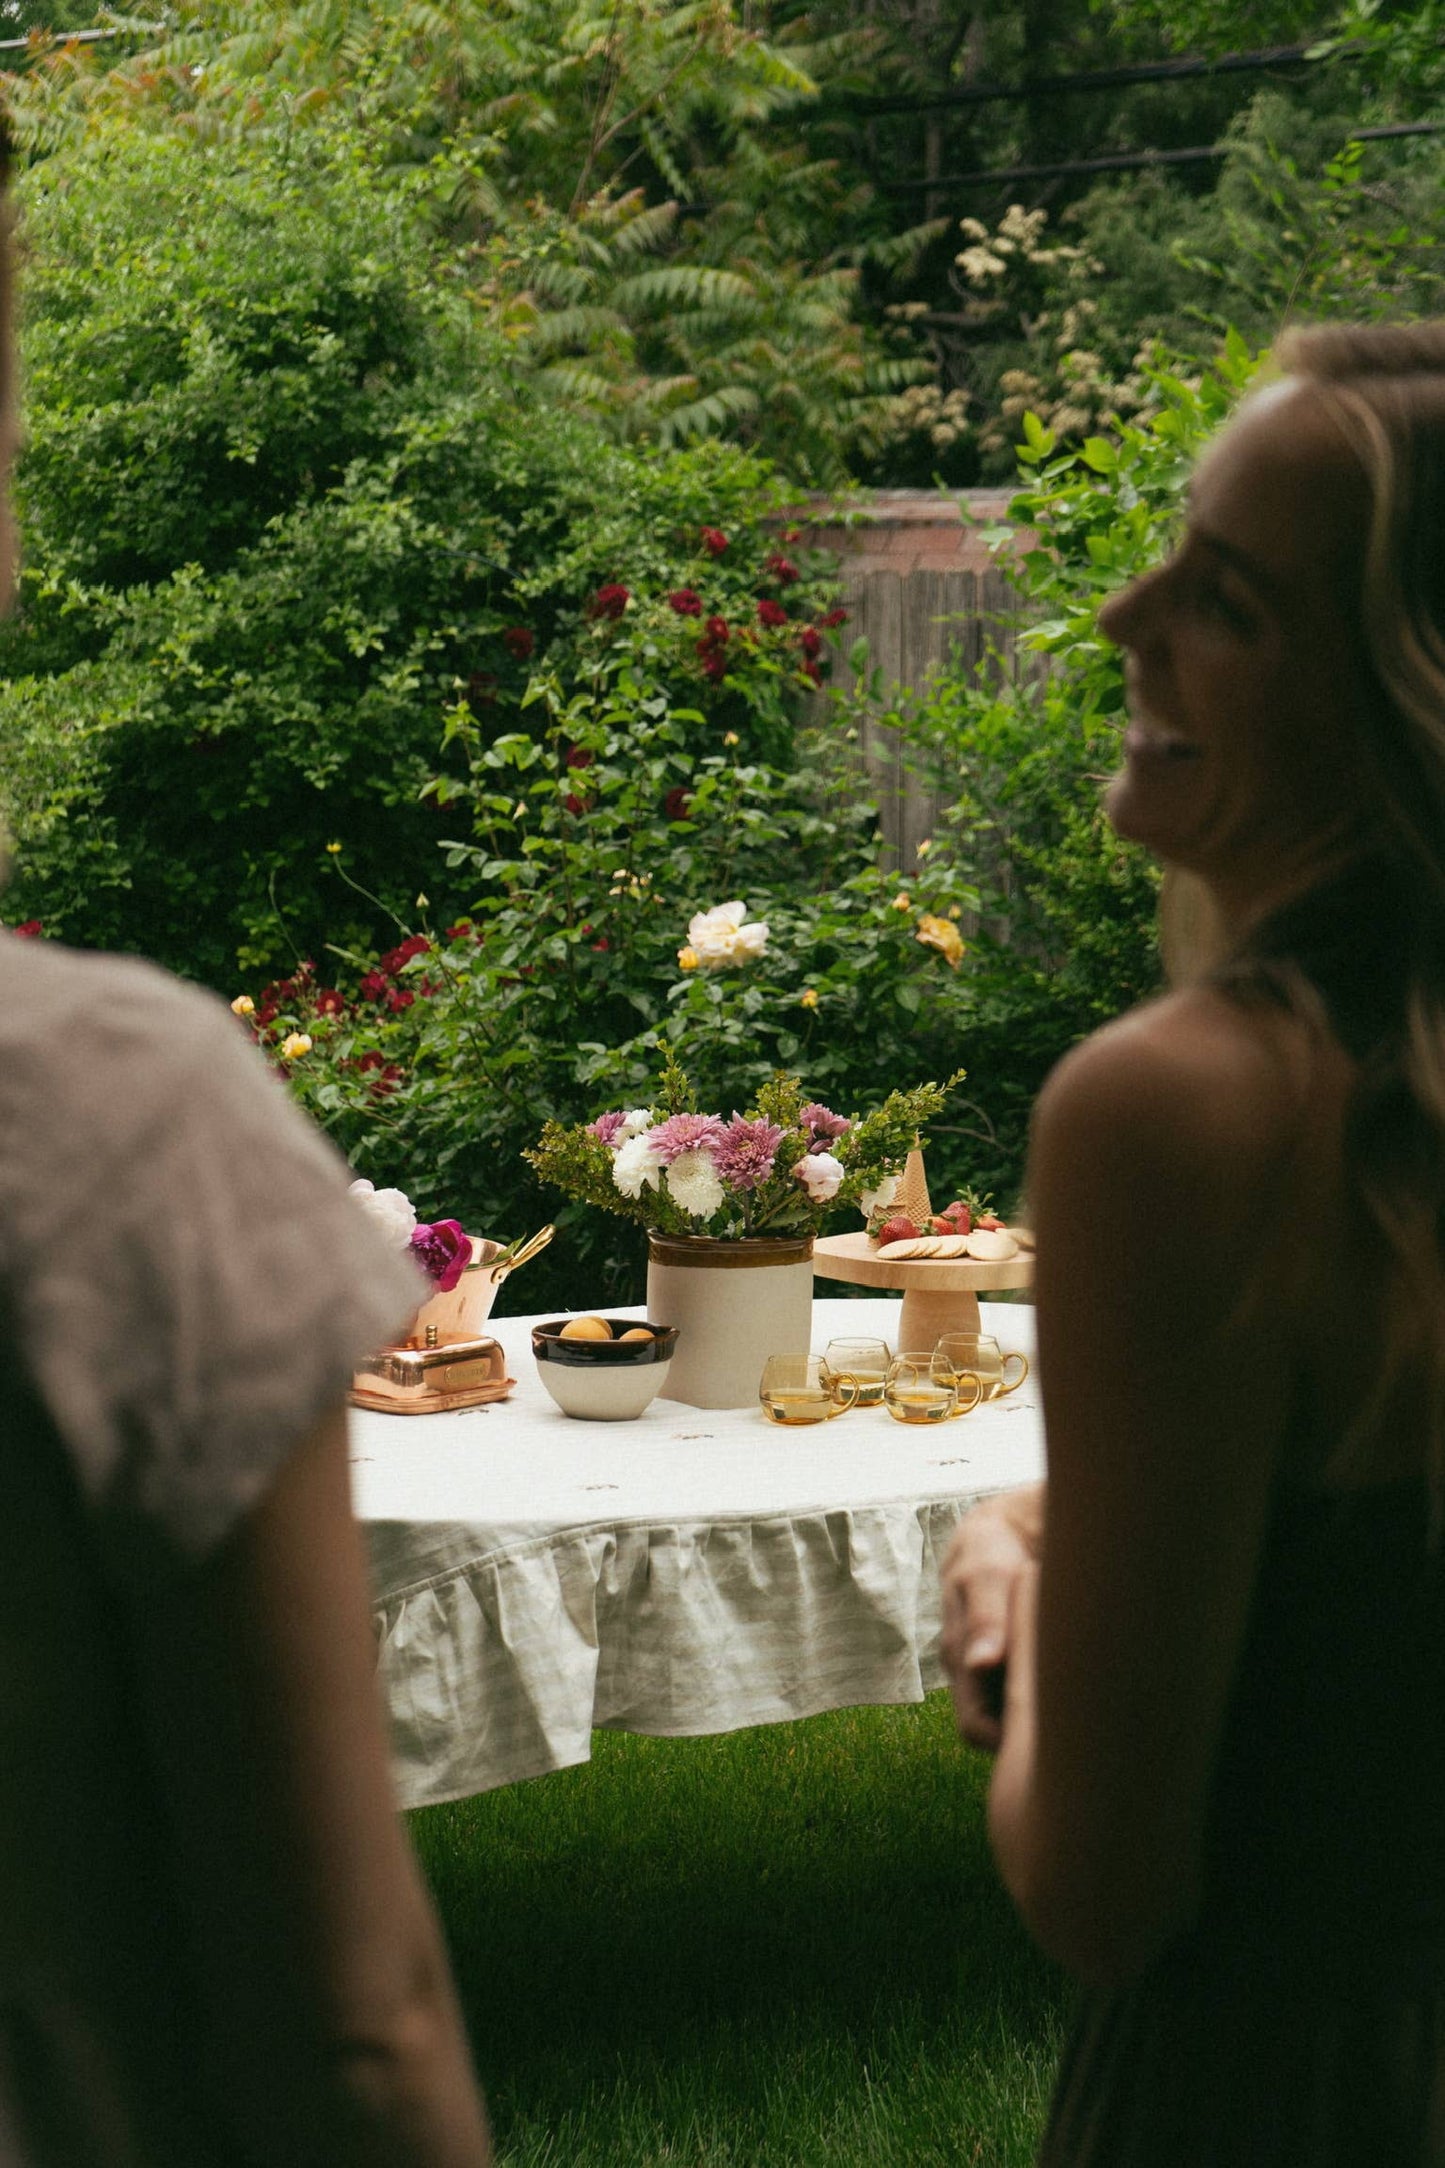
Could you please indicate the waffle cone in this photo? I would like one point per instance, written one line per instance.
(911, 1196)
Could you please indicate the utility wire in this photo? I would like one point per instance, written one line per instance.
(1049, 86)
(1127, 161)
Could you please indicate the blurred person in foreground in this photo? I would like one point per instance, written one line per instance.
(1217, 1636)
(215, 1947)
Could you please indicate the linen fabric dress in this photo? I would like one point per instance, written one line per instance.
(1300, 2023)
(185, 1287)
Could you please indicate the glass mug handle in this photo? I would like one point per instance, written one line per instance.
(837, 1378)
(960, 1379)
(1011, 1385)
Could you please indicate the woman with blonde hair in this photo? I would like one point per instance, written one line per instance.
(1210, 1655)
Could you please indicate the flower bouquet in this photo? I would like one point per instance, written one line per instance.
(465, 1271)
(776, 1170)
(731, 1206)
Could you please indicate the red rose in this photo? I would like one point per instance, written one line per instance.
(811, 642)
(792, 534)
(415, 944)
(263, 1015)
(30, 930)
(834, 618)
(458, 932)
(609, 601)
(714, 665)
(771, 613)
(577, 806)
(716, 630)
(603, 943)
(714, 541)
(812, 673)
(329, 1002)
(481, 690)
(374, 985)
(677, 801)
(579, 757)
(519, 641)
(783, 569)
(400, 997)
(686, 601)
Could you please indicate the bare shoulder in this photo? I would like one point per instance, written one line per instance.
(1193, 1085)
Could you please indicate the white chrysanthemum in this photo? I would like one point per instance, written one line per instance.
(692, 1182)
(721, 937)
(636, 1167)
(392, 1209)
(821, 1175)
(636, 1122)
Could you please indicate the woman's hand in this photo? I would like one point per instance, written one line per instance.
(994, 1548)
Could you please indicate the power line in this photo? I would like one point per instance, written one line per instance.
(1128, 161)
(79, 37)
(1049, 86)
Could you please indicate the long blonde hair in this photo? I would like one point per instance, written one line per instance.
(1384, 389)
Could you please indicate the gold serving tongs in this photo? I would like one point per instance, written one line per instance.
(520, 1253)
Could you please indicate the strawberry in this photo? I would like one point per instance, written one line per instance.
(940, 1224)
(960, 1220)
(899, 1229)
(989, 1222)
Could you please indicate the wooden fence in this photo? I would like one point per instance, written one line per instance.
(918, 584)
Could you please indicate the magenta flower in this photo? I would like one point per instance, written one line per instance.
(443, 1252)
(684, 1133)
(606, 1126)
(822, 1125)
(745, 1152)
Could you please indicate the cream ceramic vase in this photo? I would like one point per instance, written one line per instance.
(734, 1304)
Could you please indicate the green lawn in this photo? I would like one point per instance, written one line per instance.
(785, 1948)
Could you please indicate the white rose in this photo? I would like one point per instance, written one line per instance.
(692, 1182)
(720, 937)
(636, 1122)
(392, 1210)
(636, 1167)
(821, 1175)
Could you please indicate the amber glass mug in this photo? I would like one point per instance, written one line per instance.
(960, 1353)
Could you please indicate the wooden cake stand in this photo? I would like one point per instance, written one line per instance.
(940, 1294)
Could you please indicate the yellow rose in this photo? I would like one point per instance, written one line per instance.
(924, 847)
(334, 849)
(902, 901)
(730, 737)
(942, 934)
(243, 1005)
(687, 959)
(294, 1045)
(808, 998)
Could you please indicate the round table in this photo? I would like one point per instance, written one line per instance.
(697, 1570)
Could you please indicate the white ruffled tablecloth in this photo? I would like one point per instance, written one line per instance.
(695, 1571)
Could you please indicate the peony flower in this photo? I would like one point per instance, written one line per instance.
(720, 937)
(692, 1181)
(684, 1133)
(243, 1005)
(820, 1174)
(687, 959)
(392, 1209)
(686, 601)
(442, 1251)
(879, 1199)
(745, 1152)
(636, 1167)
(942, 934)
(821, 1121)
(714, 541)
(607, 1128)
(294, 1045)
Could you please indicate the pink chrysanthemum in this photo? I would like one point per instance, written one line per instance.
(745, 1151)
(684, 1133)
(606, 1127)
(822, 1124)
